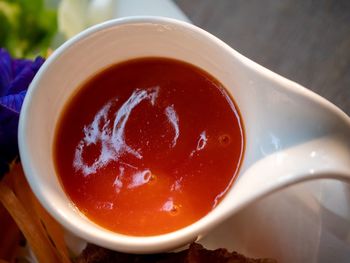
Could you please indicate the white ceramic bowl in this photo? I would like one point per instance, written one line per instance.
(284, 123)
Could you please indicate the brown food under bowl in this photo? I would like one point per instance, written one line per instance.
(195, 254)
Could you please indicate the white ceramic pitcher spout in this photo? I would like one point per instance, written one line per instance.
(291, 134)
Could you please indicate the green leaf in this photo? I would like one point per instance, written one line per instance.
(26, 27)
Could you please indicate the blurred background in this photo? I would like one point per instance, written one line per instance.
(306, 41)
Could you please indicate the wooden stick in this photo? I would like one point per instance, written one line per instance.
(48, 225)
(29, 227)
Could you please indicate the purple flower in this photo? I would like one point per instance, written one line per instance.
(15, 77)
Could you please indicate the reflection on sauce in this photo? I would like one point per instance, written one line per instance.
(111, 136)
(202, 142)
(148, 146)
(174, 120)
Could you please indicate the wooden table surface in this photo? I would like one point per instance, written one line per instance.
(306, 41)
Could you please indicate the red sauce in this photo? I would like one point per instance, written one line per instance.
(148, 146)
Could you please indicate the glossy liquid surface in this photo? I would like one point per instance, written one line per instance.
(148, 146)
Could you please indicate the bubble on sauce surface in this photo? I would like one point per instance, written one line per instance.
(170, 207)
(201, 143)
(224, 139)
(140, 178)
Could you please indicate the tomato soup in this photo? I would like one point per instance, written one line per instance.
(148, 146)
